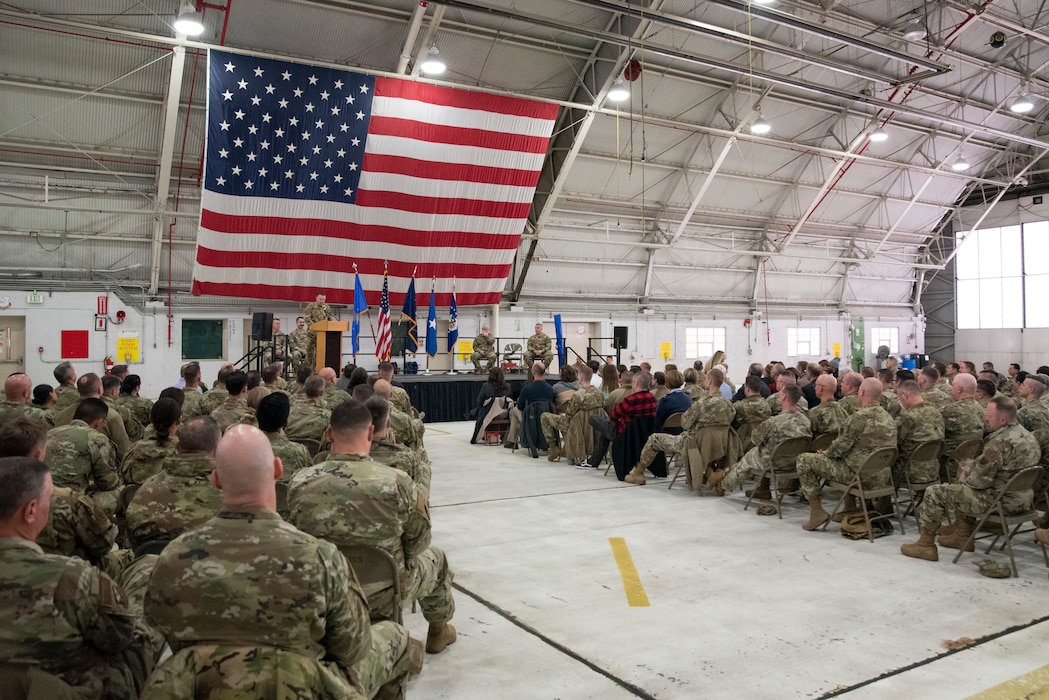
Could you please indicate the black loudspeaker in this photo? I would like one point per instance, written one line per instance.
(619, 337)
(262, 326)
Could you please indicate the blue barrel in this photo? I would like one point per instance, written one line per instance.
(411, 367)
(909, 364)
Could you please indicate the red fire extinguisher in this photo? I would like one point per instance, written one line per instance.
(109, 363)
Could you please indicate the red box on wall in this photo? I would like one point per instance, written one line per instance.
(75, 345)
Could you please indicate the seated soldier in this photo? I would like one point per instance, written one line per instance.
(784, 377)
(18, 390)
(586, 399)
(89, 386)
(751, 410)
(539, 348)
(484, 349)
(769, 435)
(850, 387)
(1009, 449)
(917, 424)
(1034, 415)
(828, 416)
(385, 451)
(869, 429)
(234, 408)
(639, 403)
(309, 417)
(83, 458)
(275, 612)
(148, 454)
(272, 414)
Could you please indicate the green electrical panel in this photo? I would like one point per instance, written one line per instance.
(858, 342)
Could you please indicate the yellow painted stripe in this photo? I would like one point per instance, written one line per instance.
(635, 592)
(1030, 686)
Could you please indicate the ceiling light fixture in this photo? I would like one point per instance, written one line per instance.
(619, 92)
(433, 65)
(190, 20)
(879, 135)
(1022, 103)
(915, 30)
(760, 125)
(960, 164)
(763, 2)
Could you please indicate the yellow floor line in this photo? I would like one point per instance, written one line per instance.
(1030, 686)
(436, 431)
(635, 592)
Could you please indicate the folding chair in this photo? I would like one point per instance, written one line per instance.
(879, 461)
(1023, 480)
(376, 569)
(926, 452)
(313, 446)
(692, 446)
(950, 461)
(822, 441)
(782, 465)
(513, 358)
(282, 496)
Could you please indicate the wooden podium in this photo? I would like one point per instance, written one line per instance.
(329, 344)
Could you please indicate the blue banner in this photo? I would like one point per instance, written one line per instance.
(431, 328)
(359, 307)
(560, 336)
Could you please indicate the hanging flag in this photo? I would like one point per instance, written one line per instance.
(453, 322)
(384, 336)
(411, 338)
(560, 339)
(359, 307)
(431, 325)
(307, 167)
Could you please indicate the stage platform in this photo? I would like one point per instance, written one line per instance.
(448, 397)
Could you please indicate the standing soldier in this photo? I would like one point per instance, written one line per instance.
(316, 311)
(539, 348)
(484, 349)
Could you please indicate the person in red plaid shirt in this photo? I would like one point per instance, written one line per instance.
(638, 403)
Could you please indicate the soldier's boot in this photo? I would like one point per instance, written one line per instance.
(438, 637)
(762, 492)
(555, 453)
(924, 548)
(959, 535)
(817, 516)
(851, 506)
(636, 476)
(715, 479)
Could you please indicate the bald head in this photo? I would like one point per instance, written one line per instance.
(825, 387)
(850, 383)
(245, 468)
(963, 387)
(18, 388)
(383, 388)
(328, 375)
(870, 392)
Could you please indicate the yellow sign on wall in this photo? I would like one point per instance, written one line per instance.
(836, 350)
(666, 350)
(464, 348)
(127, 349)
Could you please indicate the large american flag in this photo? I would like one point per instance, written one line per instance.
(311, 169)
(384, 336)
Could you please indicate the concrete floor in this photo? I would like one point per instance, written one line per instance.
(741, 606)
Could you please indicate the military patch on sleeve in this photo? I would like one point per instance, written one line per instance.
(110, 595)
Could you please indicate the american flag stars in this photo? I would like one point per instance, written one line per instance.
(277, 131)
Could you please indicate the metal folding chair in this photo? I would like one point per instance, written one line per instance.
(376, 569)
(878, 461)
(782, 466)
(926, 452)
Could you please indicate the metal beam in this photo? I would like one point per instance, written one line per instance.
(167, 155)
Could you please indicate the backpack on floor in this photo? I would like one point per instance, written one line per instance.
(854, 526)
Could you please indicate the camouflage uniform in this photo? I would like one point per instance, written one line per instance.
(66, 395)
(484, 349)
(113, 429)
(333, 396)
(82, 459)
(851, 404)
(890, 402)
(400, 400)
(308, 419)
(195, 404)
(131, 425)
(315, 313)
(914, 427)
(215, 398)
(868, 430)
(77, 527)
(385, 451)
(298, 347)
(146, 457)
(276, 348)
(936, 398)
(962, 420)
(750, 412)
(1007, 451)
(69, 619)
(139, 407)
(695, 391)
(173, 501)
(253, 607)
(292, 455)
(766, 438)
(1034, 416)
(350, 499)
(539, 348)
(407, 431)
(777, 408)
(828, 417)
(24, 409)
(710, 409)
(233, 410)
(582, 400)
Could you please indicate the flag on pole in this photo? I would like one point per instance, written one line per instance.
(453, 323)
(560, 336)
(359, 307)
(308, 168)
(384, 336)
(431, 325)
(411, 339)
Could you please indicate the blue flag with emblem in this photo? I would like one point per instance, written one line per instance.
(559, 334)
(431, 326)
(359, 307)
(411, 338)
(453, 323)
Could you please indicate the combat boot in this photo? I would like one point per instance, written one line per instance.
(851, 506)
(959, 535)
(715, 479)
(555, 453)
(762, 492)
(817, 516)
(636, 476)
(924, 548)
(438, 637)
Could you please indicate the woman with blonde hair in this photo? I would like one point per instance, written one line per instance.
(718, 358)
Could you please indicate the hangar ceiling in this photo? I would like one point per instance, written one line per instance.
(666, 200)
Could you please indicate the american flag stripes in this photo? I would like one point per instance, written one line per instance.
(311, 169)
(384, 335)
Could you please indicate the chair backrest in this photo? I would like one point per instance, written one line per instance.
(313, 446)
(562, 399)
(786, 454)
(127, 494)
(926, 452)
(375, 567)
(512, 349)
(878, 461)
(1022, 480)
(822, 441)
(673, 420)
(282, 496)
(321, 456)
(967, 450)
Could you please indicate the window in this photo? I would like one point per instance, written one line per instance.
(203, 340)
(803, 341)
(1002, 273)
(702, 343)
(886, 336)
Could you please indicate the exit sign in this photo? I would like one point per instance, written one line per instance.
(34, 298)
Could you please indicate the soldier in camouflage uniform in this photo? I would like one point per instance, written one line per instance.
(712, 409)
(138, 406)
(18, 390)
(298, 343)
(407, 431)
(963, 419)
(917, 424)
(333, 395)
(928, 379)
(272, 415)
(784, 377)
(828, 416)
(81, 457)
(398, 397)
(1035, 413)
(350, 499)
(90, 386)
(195, 402)
(64, 619)
(767, 437)
(253, 607)
(277, 346)
(218, 393)
(309, 419)
(385, 451)
(539, 348)
(181, 496)
(110, 394)
(1009, 449)
(850, 387)
(66, 392)
(868, 430)
(148, 454)
(235, 408)
(889, 401)
(316, 311)
(751, 411)
(484, 349)
(586, 399)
